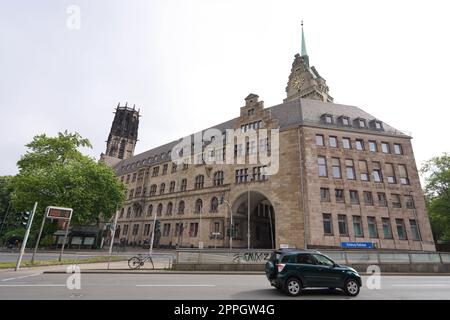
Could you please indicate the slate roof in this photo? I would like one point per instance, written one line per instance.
(291, 113)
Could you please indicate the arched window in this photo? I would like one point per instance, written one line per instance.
(129, 212)
(199, 181)
(150, 210)
(169, 209)
(218, 178)
(121, 213)
(181, 207)
(159, 210)
(172, 186)
(198, 206)
(214, 204)
(162, 188)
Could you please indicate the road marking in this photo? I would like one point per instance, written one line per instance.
(32, 285)
(421, 285)
(175, 285)
(22, 277)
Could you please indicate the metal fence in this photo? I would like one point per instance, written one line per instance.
(344, 257)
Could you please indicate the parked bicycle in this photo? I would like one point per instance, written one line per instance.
(139, 260)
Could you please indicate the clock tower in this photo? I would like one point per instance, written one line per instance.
(304, 81)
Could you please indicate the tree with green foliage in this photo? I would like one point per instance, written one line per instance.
(437, 193)
(53, 172)
(6, 218)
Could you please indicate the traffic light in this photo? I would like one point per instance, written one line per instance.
(25, 218)
(157, 225)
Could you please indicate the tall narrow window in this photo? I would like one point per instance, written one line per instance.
(218, 178)
(368, 199)
(339, 193)
(169, 209)
(183, 184)
(382, 201)
(354, 198)
(396, 202)
(363, 170)
(372, 224)
(336, 167)
(401, 229)
(214, 204)
(159, 209)
(350, 169)
(414, 229)
(162, 188)
(403, 174)
(398, 148)
(359, 143)
(322, 165)
(324, 194)
(385, 147)
(199, 181)
(198, 206)
(327, 224)
(319, 140)
(390, 173)
(387, 230)
(342, 224)
(409, 202)
(172, 186)
(357, 226)
(165, 166)
(376, 173)
(346, 143)
(333, 142)
(180, 207)
(372, 146)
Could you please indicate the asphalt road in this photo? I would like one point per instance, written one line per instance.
(29, 284)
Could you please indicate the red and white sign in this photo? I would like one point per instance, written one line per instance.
(58, 213)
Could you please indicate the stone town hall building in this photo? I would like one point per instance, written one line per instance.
(344, 176)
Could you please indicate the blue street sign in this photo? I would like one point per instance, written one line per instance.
(358, 245)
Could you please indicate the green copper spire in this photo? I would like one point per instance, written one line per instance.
(304, 53)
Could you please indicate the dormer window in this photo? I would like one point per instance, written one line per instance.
(376, 124)
(361, 123)
(345, 121)
(327, 118)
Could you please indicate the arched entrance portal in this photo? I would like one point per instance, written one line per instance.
(262, 221)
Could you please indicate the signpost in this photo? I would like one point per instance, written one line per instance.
(54, 213)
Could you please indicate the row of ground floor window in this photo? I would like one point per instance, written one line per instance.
(372, 227)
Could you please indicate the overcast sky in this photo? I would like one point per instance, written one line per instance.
(189, 65)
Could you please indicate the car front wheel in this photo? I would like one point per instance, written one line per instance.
(351, 287)
(293, 287)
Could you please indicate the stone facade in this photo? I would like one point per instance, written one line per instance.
(297, 206)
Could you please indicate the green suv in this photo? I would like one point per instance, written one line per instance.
(293, 270)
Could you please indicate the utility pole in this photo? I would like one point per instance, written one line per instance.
(248, 218)
(113, 231)
(153, 234)
(25, 238)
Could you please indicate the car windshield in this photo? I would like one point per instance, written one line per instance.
(323, 260)
(275, 256)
